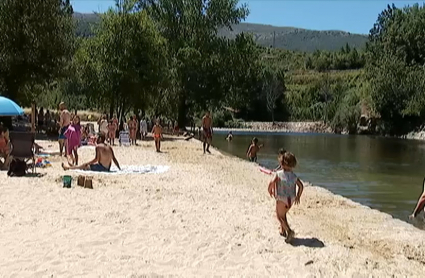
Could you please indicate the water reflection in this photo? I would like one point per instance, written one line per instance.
(383, 173)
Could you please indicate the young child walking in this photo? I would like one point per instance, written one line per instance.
(253, 150)
(157, 135)
(73, 137)
(283, 188)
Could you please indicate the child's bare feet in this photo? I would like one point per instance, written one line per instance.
(64, 167)
(290, 236)
(282, 232)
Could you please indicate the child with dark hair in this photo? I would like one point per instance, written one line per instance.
(283, 187)
(279, 153)
(253, 150)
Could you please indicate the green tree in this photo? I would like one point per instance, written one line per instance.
(396, 55)
(191, 28)
(273, 88)
(127, 58)
(36, 44)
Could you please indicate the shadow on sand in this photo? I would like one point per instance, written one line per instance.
(31, 175)
(308, 242)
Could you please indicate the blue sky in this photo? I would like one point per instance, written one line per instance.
(356, 16)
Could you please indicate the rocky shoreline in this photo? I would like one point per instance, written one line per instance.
(296, 127)
(415, 135)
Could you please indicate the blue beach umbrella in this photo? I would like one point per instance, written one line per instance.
(9, 107)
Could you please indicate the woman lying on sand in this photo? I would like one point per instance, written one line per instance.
(283, 188)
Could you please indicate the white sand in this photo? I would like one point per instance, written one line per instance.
(208, 215)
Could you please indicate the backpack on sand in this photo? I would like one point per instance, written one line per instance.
(17, 168)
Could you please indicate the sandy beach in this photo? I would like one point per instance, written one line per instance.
(208, 215)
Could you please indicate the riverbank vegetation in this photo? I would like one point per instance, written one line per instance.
(169, 58)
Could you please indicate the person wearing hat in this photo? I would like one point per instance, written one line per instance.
(64, 122)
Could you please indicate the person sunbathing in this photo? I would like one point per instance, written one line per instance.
(102, 161)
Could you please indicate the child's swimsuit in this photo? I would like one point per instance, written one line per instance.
(253, 159)
(286, 187)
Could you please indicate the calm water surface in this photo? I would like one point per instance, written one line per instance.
(382, 173)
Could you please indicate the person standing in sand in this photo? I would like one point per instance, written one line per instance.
(283, 188)
(64, 122)
(73, 139)
(103, 125)
(102, 161)
(143, 128)
(115, 121)
(136, 124)
(207, 131)
(112, 129)
(157, 135)
(132, 126)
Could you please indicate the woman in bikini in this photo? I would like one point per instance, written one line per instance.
(157, 135)
(283, 188)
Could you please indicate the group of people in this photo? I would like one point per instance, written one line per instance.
(112, 128)
(71, 132)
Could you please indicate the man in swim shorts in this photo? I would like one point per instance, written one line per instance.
(207, 131)
(64, 122)
(102, 161)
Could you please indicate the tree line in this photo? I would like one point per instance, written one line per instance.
(165, 57)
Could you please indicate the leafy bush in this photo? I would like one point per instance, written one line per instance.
(237, 123)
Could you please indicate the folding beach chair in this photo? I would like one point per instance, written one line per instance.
(22, 146)
(91, 129)
(124, 138)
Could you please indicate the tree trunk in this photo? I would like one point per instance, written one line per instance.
(111, 109)
(33, 108)
(182, 109)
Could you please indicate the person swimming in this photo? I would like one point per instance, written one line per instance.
(229, 136)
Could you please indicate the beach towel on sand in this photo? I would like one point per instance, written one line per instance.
(132, 169)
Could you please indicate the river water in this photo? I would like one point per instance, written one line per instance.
(383, 173)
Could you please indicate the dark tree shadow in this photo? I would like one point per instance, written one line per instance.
(31, 175)
(308, 242)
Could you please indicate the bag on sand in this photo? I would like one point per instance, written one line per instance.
(17, 168)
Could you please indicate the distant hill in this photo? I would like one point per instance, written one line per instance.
(285, 37)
